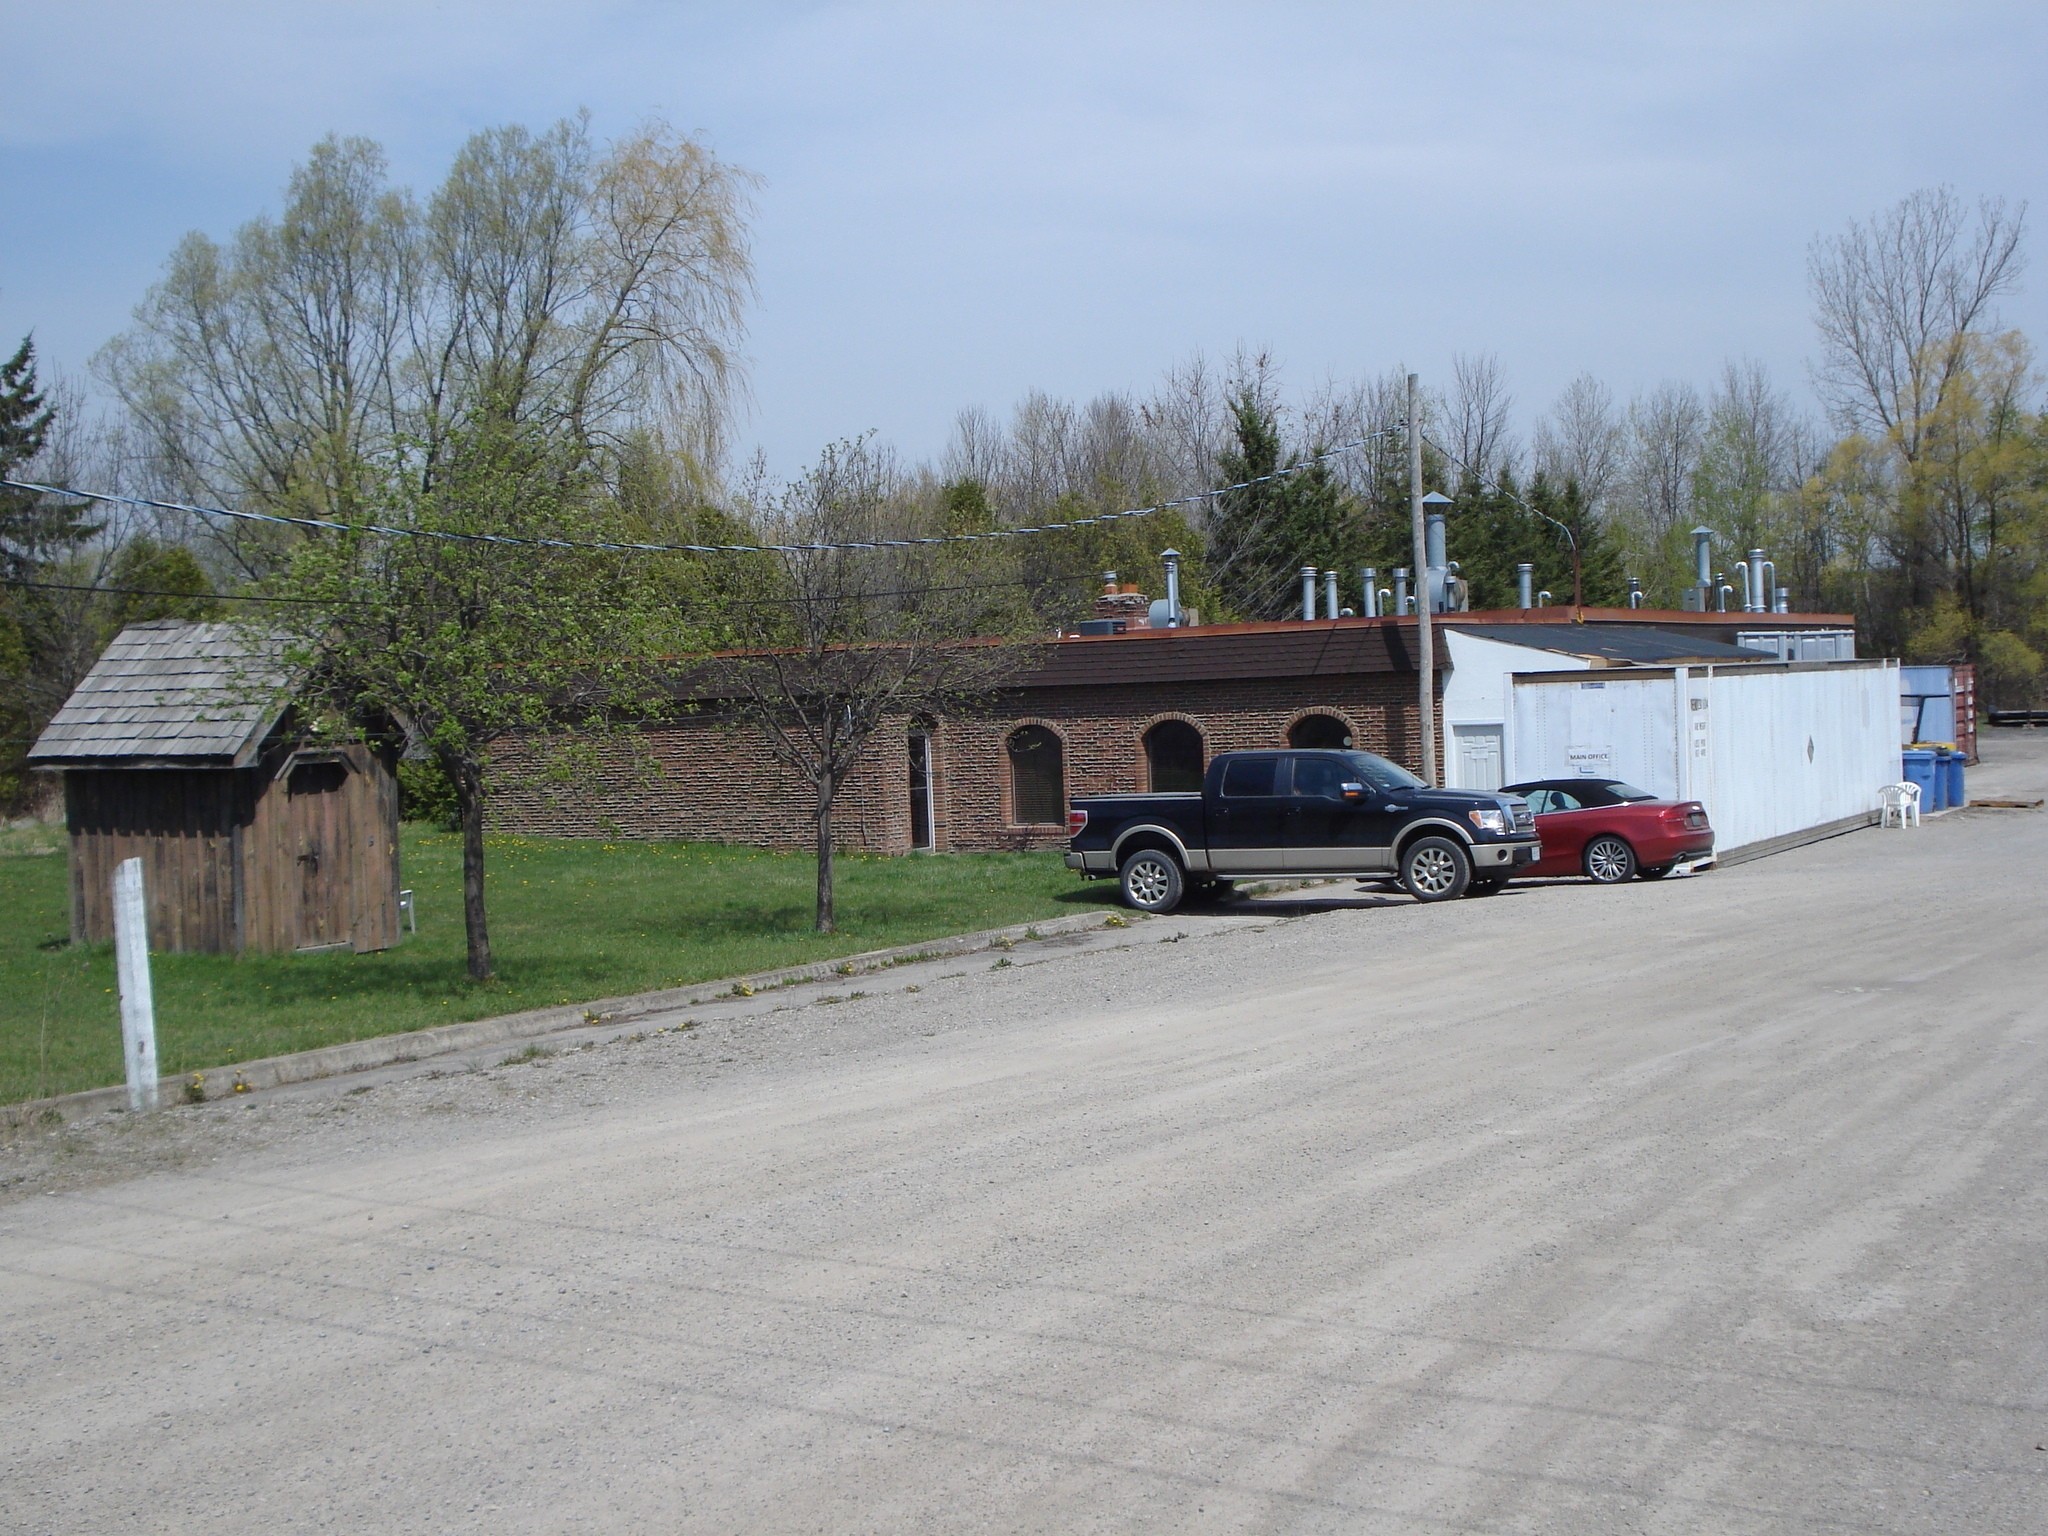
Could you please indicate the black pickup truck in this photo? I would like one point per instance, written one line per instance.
(1262, 814)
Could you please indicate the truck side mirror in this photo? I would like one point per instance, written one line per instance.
(1352, 791)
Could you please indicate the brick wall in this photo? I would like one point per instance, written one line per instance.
(703, 779)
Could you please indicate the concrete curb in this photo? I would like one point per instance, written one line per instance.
(445, 1039)
(448, 1039)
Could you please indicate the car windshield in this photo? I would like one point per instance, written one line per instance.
(1380, 773)
(1622, 791)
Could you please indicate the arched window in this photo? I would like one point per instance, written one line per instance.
(1173, 757)
(1038, 781)
(1319, 733)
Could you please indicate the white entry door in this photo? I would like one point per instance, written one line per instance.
(1477, 748)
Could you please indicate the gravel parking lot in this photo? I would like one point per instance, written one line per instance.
(1716, 1204)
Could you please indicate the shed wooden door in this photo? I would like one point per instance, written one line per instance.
(317, 811)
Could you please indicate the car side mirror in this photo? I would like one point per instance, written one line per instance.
(1352, 792)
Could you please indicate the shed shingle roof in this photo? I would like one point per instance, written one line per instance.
(171, 693)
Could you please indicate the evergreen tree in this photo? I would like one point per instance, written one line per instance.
(1264, 532)
(32, 525)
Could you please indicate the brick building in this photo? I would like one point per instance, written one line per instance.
(1095, 714)
(1138, 710)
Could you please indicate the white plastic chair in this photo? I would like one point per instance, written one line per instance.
(1901, 801)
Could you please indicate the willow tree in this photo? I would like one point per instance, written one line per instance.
(579, 291)
(457, 367)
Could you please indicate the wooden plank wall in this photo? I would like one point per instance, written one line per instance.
(373, 819)
(220, 855)
(365, 837)
(180, 823)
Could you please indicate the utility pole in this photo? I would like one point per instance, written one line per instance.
(1425, 641)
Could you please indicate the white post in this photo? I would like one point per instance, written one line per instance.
(131, 960)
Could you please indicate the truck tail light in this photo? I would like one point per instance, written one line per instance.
(1076, 820)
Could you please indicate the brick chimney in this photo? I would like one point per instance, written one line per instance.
(1123, 600)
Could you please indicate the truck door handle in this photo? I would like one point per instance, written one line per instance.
(1390, 806)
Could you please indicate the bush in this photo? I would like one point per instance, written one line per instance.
(424, 794)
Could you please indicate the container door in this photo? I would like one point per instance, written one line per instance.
(316, 810)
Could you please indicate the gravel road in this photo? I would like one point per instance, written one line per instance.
(1718, 1204)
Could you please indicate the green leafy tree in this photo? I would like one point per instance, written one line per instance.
(460, 641)
(153, 580)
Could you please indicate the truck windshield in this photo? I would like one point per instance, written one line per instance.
(1380, 773)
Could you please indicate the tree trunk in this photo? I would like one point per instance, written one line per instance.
(468, 777)
(826, 787)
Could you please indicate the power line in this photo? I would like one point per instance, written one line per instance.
(1571, 539)
(1057, 579)
(612, 546)
(212, 597)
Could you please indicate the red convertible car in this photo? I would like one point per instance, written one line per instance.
(1607, 830)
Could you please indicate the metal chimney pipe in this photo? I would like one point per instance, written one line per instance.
(1703, 557)
(1635, 593)
(1767, 585)
(1754, 593)
(1330, 593)
(1784, 600)
(1308, 593)
(1170, 558)
(1400, 589)
(1722, 592)
(1543, 598)
(1525, 584)
(1372, 592)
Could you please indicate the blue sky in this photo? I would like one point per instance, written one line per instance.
(964, 202)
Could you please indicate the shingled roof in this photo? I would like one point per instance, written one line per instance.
(169, 694)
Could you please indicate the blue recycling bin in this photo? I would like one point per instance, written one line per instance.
(1919, 769)
(1952, 780)
(1940, 800)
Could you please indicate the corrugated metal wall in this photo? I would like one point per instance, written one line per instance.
(1770, 751)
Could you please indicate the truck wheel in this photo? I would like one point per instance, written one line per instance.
(1151, 881)
(1609, 860)
(1435, 869)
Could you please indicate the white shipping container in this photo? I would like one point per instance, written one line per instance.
(1771, 751)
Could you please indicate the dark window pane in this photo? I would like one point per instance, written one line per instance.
(1324, 732)
(1038, 790)
(1173, 757)
(1621, 791)
(1250, 776)
(1322, 777)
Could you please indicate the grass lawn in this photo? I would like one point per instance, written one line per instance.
(571, 920)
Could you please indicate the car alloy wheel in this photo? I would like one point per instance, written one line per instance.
(1435, 869)
(1151, 881)
(1609, 861)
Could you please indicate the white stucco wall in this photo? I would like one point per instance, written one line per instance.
(1477, 694)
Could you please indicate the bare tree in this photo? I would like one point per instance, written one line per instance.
(857, 636)
(1584, 441)
(977, 451)
(1475, 414)
(1896, 301)
(1664, 433)
(1188, 418)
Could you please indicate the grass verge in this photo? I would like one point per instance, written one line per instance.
(571, 920)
